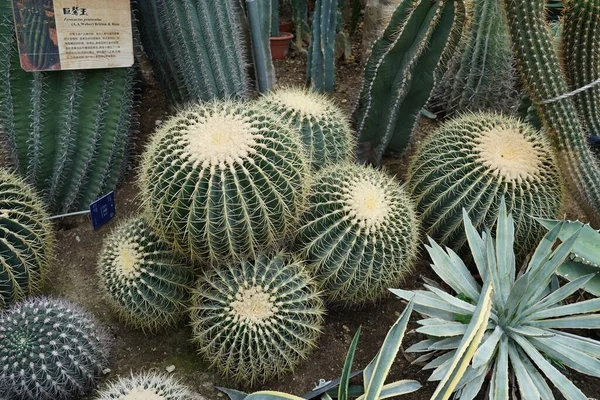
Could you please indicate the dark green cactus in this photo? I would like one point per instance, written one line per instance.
(547, 87)
(26, 240)
(146, 386)
(320, 69)
(66, 132)
(42, 52)
(269, 26)
(196, 47)
(300, 18)
(399, 75)
(50, 350)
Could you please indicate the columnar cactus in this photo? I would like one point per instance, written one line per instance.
(65, 131)
(360, 235)
(399, 75)
(142, 278)
(300, 18)
(325, 129)
(146, 386)
(469, 163)
(546, 86)
(224, 180)
(196, 47)
(26, 240)
(49, 350)
(320, 68)
(256, 320)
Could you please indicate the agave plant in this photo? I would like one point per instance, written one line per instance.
(523, 339)
(374, 375)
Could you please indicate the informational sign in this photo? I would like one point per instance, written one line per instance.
(103, 210)
(73, 34)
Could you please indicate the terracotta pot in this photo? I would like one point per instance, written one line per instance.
(286, 27)
(280, 45)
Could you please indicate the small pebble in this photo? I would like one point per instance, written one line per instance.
(77, 238)
(170, 368)
(106, 371)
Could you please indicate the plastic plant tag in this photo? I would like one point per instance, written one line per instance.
(103, 210)
(73, 34)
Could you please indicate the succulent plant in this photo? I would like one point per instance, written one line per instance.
(49, 350)
(224, 180)
(360, 233)
(26, 240)
(320, 67)
(324, 128)
(142, 278)
(524, 337)
(473, 160)
(145, 386)
(256, 320)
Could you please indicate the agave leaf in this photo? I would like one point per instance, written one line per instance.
(572, 270)
(578, 343)
(493, 271)
(499, 390)
(345, 379)
(399, 388)
(422, 346)
(439, 361)
(426, 303)
(484, 353)
(517, 295)
(326, 396)
(568, 356)
(576, 322)
(530, 391)
(444, 329)
(443, 369)
(587, 246)
(269, 395)
(505, 255)
(477, 246)
(583, 307)
(528, 331)
(542, 252)
(472, 388)
(451, 343)
(232, 393)
(448, 298)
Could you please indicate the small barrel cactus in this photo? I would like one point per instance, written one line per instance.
(142, 278)
(471, 162)
(26, 240)
(223, 180)
(360, 234)
(49, 350)
(145, 386)
(325, 130)
(254, 321)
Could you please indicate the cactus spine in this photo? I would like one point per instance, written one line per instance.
(196, 48)
(26, 240)
(254, 321)
(224, 180)
(469, 163)
(142, 278)
(399, 75)
(320, 68)
(360, 234)
(50, 350)
(543, 79)
(146, 386)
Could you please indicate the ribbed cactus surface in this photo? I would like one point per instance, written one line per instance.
(49, 350)
(35, 28)
(26, 240)
(469, 163)
(256, 320)
(142, 278)
(320, 68)
(399, 75)
(145, 386)
(360, 234)
(196, 47)
(66, 132)
(325, 129)
(224, 180)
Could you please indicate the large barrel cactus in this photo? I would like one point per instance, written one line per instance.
(142, 278)
(360, 235)
(26, 240)
(224, 180)
(65, 131)
(145, 386)
(469, 163)
(325, 129)
(196, 47)
(50, 350)
(256, 320)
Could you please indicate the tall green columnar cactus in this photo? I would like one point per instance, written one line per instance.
(320, 69)
(545, 83)
(66, 132)
(269, 26)
(399, 75)
(196, 47)
(482, 75)
(300, 18)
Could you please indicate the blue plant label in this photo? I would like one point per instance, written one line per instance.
(103, 210)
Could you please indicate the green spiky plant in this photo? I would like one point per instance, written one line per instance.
(66, 132)
(256, 320)
(320, 67)
(399, 75)
(324, 128)
(545, 83)
(50, 350)
(374, 375)
(224, 180)
(300, 18)
(34, 35)
(146, 385)
(197, 48)
(360, 234)
(269, 26)
(525, 329)
(472, 161)
(142, 279)
(26, 240)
